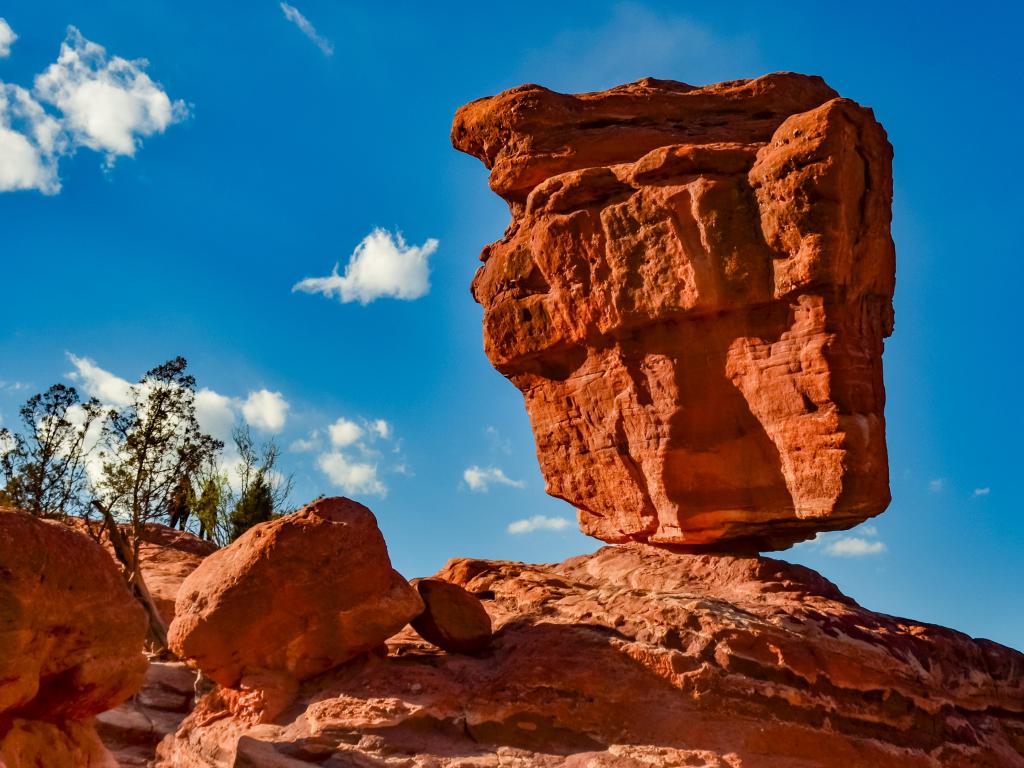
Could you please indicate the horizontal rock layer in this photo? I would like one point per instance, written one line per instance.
(692, 297)
(634, 657)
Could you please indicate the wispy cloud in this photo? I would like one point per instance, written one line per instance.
(538, 523)
(938, 485)
(382, 265)
(480, 479)
(981, 492)
(854, 546)
(295, 17)
(634, 41)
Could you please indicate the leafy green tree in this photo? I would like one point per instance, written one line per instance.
(44, 465)
(254, 506)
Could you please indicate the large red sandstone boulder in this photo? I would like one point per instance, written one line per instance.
(71, 639)
(634, 657)
(296, 596)
(692, 296)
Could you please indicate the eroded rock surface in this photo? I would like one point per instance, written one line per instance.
(634, 657)
(291, 598)
(71, 639)
(692, 297)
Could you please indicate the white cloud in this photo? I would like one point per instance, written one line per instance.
(938, 485)
(539, 523)
(30, 143)
(382, 265)
(295, 17)
(381, 428)
(305, 444)
(7, 38)
(480, 479)
(108, 103)
(854, 546)
(344, 433)
(981, 492)
(216, 413)
(352, 477)
(266, 410)
(99, 383)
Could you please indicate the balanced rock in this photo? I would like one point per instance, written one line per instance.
(71, 639)
(453, 619)
(636, 657)
(293, 597)
(692, 297)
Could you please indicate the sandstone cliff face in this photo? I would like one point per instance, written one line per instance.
(634, 657)
(692, 297)
(70, 644)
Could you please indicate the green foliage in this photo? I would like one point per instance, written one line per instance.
(44, 464)
(255, 505)
(152, 447)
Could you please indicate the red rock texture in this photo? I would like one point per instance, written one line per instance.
(692, 297)
(635, 657)
(133, 730)
(166, 558)
(453, 619)
(71, 640)
(293, 597)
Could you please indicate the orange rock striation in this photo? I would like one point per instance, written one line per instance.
(692, 297)
(636, 657)
(70, 644)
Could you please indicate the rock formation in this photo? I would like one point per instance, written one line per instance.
(292, 598)
(452, 619)
(636, 657)
(692, 297)
(70, 644)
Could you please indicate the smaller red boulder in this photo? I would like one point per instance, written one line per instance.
(453, 619)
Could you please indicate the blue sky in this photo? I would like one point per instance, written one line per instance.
(264, 150)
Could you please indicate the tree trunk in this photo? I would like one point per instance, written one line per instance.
(133, 575)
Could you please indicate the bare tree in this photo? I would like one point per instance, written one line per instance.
(44, 465)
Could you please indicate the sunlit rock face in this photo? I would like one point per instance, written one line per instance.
(692, 297)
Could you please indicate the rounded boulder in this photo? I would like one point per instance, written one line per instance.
(298, 595)
(453, 619)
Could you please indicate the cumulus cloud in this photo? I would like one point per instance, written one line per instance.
(854, 546)
(7, 38)
(216, 413)
(99, 383)
(344, 433)
(352, 477)
(480, 479)
(381, 428)
(104, 103)
(266, 410)
(108, 102)
(382, 265)
(538, 523)
(295, 17)
(981, 492)
(31, 142)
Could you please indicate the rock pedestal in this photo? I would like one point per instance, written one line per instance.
(692, 297)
